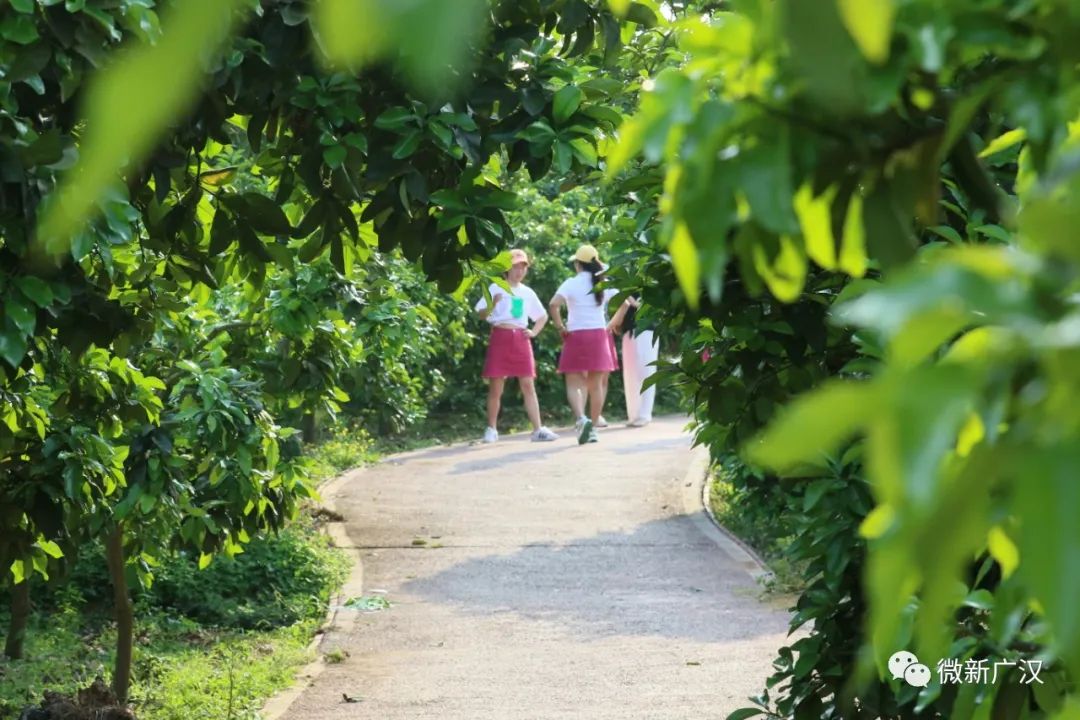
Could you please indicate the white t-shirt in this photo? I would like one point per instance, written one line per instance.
(503, 314)
(584, 313)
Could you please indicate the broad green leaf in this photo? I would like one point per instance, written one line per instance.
(744, 713)
(816, 222)
(22, 313)
(216, 178)
(619, 7)
(924, 333)
(429, 39)
(565, 103)
(1004, 142)
(913, 428)
(334, 155)
(205, 560)
(13, 344)
(10, 418)
(870, 23)
(765, 179)
(1046, 496)
(1003, 550)
(18, 571)
(354, 32)
(878, 521)
(853, 248)
(684, 258)
(50, 548)
(584, 151)
(971, 434)
(958, 288)
(396, 118)
(785, 274)
(36, 289)
(815, 424)
(192, 32)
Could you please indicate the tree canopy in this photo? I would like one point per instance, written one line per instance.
(851, 217)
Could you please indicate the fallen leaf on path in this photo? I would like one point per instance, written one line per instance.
(368, 603)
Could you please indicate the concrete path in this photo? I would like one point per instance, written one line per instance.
(532, 581)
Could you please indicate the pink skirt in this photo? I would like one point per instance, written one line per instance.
(509, 354)
(588, 351)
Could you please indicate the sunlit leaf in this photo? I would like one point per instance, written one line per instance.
(684, 258)
(1003, 550)
(429, 39)
(870, 23)
(50, 548)
(193, 31)
(814, 425)
(816, 223)
(1004, 142)
(566, 102)
(853, 247)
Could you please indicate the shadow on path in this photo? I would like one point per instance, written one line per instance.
(661, 579)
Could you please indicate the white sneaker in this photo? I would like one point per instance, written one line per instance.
(544, 435)
(585, 431)
(491, 435)
(639, 422)
(601, 422)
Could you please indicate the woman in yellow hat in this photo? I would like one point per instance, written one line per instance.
(510, 351)
(588, 352)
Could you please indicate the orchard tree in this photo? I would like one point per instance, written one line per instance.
(905, 169)
(285, 131)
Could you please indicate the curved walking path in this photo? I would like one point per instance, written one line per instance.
(531, 581)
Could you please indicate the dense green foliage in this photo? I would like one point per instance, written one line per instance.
(947, 357)
(168, 314)
(193, 641)
(851, 217)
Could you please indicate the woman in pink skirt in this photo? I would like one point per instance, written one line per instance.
(588, 352)
(509, 351)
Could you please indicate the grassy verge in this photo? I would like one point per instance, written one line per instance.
(181, 670)
(209, 644)
(749, 513)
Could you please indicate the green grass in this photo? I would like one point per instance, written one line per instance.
(215, 643)
(180, 671)
(758, 530)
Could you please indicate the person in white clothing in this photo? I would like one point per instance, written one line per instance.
(510, 351)
(588, 353)
(640, 353)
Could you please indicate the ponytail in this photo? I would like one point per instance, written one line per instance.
(596, 270)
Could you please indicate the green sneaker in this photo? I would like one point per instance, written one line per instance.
(593, 436)
(584, 432)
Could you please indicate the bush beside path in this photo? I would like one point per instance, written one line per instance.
(523, 580)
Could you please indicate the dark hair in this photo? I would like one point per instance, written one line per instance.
(629, 323)
(596, 270)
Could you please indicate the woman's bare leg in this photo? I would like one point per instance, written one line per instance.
(575, 393)
(494, 399)
(597, 395)
(532, 404)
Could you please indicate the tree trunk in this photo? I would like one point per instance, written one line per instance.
(310, 428)
(20, 615)
(124, 616)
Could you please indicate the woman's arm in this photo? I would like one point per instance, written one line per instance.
(555, 309)
(538, 326)
(617, 318)
(483, 312)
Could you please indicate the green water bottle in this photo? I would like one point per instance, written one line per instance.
(517, 307)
